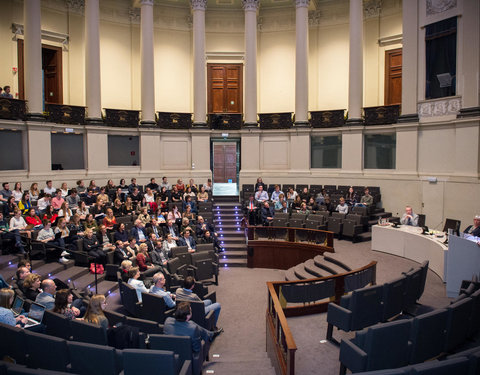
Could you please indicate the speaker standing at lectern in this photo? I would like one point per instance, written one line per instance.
(409, 217)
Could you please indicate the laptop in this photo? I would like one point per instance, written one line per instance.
(58, 235)
(35, 316)
(17, 306)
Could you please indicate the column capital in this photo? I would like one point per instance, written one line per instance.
(198, 4)
(250, 5)
(146, 2)
(302, 3)
(372, 8)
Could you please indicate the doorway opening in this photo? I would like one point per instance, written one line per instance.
(225, 164)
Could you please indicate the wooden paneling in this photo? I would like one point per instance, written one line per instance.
(393, 76)
(225, 88)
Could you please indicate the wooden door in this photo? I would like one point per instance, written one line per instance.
(393, 76)
(52, 73)
(224, 162)
(225, 88)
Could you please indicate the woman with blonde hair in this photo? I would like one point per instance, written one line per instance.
(94, 313)
(31, 286)
(34, 192)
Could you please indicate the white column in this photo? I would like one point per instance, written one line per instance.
(33, 58)
(147, 63)
(409, 61)
(92, 62)
(250, 7)
(301, 63)
(199, 75)
(355, 84)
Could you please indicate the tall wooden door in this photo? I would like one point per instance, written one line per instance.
(225, 88)
(224, 162)
(393, 76)
(52, 73)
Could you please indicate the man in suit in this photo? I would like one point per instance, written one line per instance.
(172, 229)
(186, 294)
(120, 254)
(151, 242)
(138, 231)
(474, 230)
(267, 214)
(46, 298)
(159, 255)
(188, 241)
(251, 211)
(155, 228)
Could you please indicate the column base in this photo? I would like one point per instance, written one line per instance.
(354, 122)
(32, 116)
(250, 125)
(200, 125)
(94, 121)
(302, 124)
(469, 112)
(148, 123)
(411, 117)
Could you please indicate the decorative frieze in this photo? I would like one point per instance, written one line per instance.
(76, 6)
(440, 107)
(302, 3)
(134, 15)
(439, 6)
(198, 4)
(314, 17)
(372, 8)
(250, 5)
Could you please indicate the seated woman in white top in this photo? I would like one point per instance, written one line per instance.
(134, 274)
(342, 207)
(17, 192)
(18, 222)
(65, 212)
(64, 190)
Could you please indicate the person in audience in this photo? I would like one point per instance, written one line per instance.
(109, 220)
(159, 255)
(162, 198)
(188, 193)
(46, 297)
(169, 244)
(50, 214)
(202, 195)
(122, 185)
(153, 186)
(297, 203)
(136, 196)
(5, 193)
(203, 226)
(132, 247)
(93, 187)
(312, 205)
(342, 207)
(158, 288)
(73, 199)
(129, 207)
(138, 231)
(208, 186)
(6, 315)
(209, 238)
(81, 189)
(11, 234)
(260, 183)
(18, 222)
(144, 217)
(174, 214)
(21, 274)
(64, 190)
(57, 200)
(279, 202)
(151, 241)
(180, 186)
(276, 194)
(91, 198)
(133, 185)
(251, 210)
(409, 217)
(117, 208)
(188, 214)
(63, 304)
(120, 254)
(121, 234)
(31, 285)
(109, 186)
(34, 192)
(303, 209)
(165, 183)
(46, 234)
(154, 229)
(351, 197)
(188, 241)
(33, 220)
(305, 195)
(119, 195)
(10, 207)
(175, 195)
(104, 239)
(103, 196)
(90, 223)
(94, 313)
(284, 208)
(474, 230)
(43, 203)
(192, 186)
(124, 268)
(25, 263)
(291, 195)
(144, 262)
(64, 233)
(6, 92)
(266, 213)
(366, 200)
(17, 192)
(98, 210)
(189, 202)
(65, 211)
(76, 226)
(25, 205)
(261, 195)
(93, 248)
(186, 294)
(171, 228)
(159, 217)
(49, 189)
(185, 225)
(133, 275)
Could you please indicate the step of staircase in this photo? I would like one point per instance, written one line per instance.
(71, 273)
(234, 254)
(233, 262)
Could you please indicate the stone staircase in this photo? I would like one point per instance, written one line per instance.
(228, 215)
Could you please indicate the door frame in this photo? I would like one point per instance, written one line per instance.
(225, 140)
(209, 84)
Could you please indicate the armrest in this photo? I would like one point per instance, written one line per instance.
(186, 368)
(210, 320)
(339, 316)
(352, 357)
(212, 296)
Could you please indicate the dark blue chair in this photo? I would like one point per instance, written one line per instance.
(459, 315)
(57, 325)
(448, 367)
(393, 297)
(91, 359)
(12, 343)
(141, 361)
(88, 332)
(46, 352)
(145, 326)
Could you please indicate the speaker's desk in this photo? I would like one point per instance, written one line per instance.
(408, 242)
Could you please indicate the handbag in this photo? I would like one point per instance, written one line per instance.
(100, 270)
